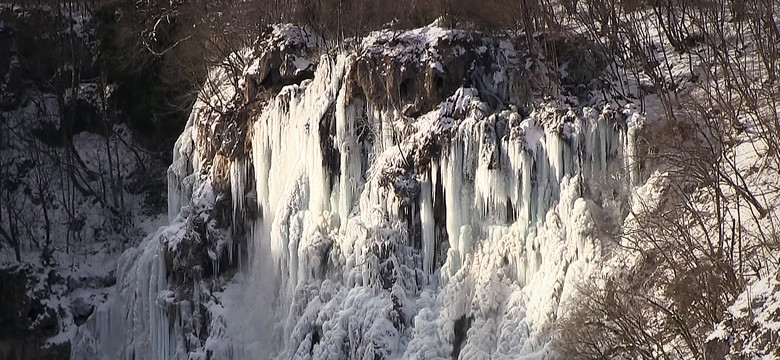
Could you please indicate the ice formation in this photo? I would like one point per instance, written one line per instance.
(134, 323)
(374, 234)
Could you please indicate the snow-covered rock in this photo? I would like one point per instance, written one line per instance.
(752, 326)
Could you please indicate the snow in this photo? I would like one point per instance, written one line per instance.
(291, 34)
(406, 44)
(301, 64)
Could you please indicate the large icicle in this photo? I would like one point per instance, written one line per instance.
(428, 226)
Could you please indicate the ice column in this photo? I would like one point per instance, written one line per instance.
(428, 225)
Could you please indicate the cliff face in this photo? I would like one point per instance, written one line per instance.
(410, 198)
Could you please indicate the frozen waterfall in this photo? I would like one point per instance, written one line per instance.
(370, 233)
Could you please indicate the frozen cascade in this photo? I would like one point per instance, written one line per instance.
(134, 324)
(286, 145)
(378, 235)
